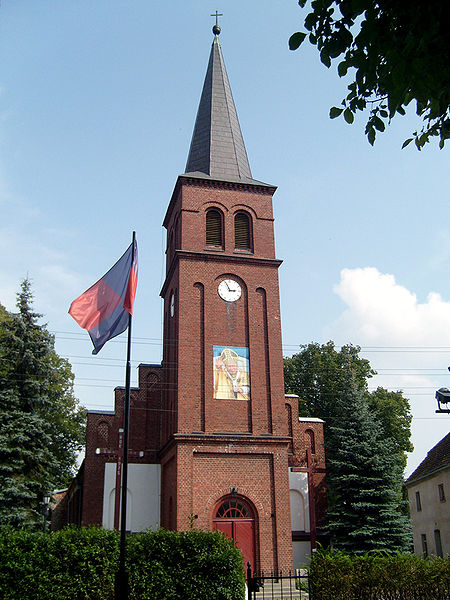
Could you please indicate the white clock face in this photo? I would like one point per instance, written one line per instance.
(229, 290)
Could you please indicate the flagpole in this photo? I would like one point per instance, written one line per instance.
(122, 574)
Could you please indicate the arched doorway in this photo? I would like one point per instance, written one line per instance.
(236, 519)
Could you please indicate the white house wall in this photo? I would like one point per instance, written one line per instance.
(434, 514)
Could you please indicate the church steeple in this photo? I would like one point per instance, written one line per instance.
(217, 147)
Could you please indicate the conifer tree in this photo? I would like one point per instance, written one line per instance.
(365, 477)
(41, 423)
(366, 436)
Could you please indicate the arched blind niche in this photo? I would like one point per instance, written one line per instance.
(242, 231)
(310, 439)
(214, 233)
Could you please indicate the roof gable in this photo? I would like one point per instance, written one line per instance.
(438, 458)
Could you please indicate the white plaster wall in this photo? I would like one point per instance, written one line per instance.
(143, 496)
(434, 514)
(298, 484)
(301, 553)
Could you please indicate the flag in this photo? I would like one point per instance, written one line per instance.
(104, 309)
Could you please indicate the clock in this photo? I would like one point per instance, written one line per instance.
(229, 290)
(172, 305)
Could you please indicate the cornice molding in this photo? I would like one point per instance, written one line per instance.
(241, 259)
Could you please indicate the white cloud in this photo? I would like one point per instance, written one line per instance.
(382, 311)
(406, 341)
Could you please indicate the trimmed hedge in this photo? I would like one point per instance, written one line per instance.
(80, 564)
(378, 576)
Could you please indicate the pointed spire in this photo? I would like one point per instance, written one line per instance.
(217, 147)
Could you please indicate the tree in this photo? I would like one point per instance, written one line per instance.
(41, 423)
(392, 411)
(318, 374)
(400, 52)
(366, 436)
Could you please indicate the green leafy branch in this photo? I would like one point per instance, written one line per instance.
(398, 53)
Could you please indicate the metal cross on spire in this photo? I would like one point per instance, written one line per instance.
(216, 28)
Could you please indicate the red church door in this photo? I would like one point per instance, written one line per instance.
(236, 520)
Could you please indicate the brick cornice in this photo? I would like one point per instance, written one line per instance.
(239, 259)
(256, 188)
(221, 439)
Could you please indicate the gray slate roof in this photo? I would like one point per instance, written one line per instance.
(217, 146)
(438, 458)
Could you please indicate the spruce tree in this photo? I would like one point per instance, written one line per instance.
(364, 480)
(366, 436)
(41, 424)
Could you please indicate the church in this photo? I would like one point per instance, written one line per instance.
(214, 441)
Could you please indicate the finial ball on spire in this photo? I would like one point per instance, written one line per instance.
(216, 28)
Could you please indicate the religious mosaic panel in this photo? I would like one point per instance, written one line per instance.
(231, 373)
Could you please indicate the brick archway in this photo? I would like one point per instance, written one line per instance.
(235, 517)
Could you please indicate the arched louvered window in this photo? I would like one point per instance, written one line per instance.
(214, 234)
(242, 231)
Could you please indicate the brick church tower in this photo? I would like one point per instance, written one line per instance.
(225, 451)
(219, 444)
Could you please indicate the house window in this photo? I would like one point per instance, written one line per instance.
(418, 502)
(214, 234)
(441, 492)
(437, 542)
(242, 231)
(423, 537)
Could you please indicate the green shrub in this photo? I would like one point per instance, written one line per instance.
(194, 565)
(378, 576)
(71, 564)
(81, 564)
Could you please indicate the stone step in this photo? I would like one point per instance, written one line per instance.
(280, 590)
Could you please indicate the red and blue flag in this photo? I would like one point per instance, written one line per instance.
(104, 309)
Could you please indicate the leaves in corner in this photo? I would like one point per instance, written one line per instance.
(349, 116)
(335, 112)
(296, 39)
(406, 142)
(379, 124)
(325, 58)
(342, 68)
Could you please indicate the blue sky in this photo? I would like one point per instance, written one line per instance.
(97, 106)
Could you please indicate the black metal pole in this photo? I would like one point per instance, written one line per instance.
(121, 591)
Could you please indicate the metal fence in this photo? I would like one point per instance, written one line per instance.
(293, 585)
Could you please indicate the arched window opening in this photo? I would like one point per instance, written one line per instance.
(309, 434)
(242, 231)
(233, 508)
(214, 235)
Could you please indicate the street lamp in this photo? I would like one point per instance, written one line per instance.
(46, 511)
(443, 397)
